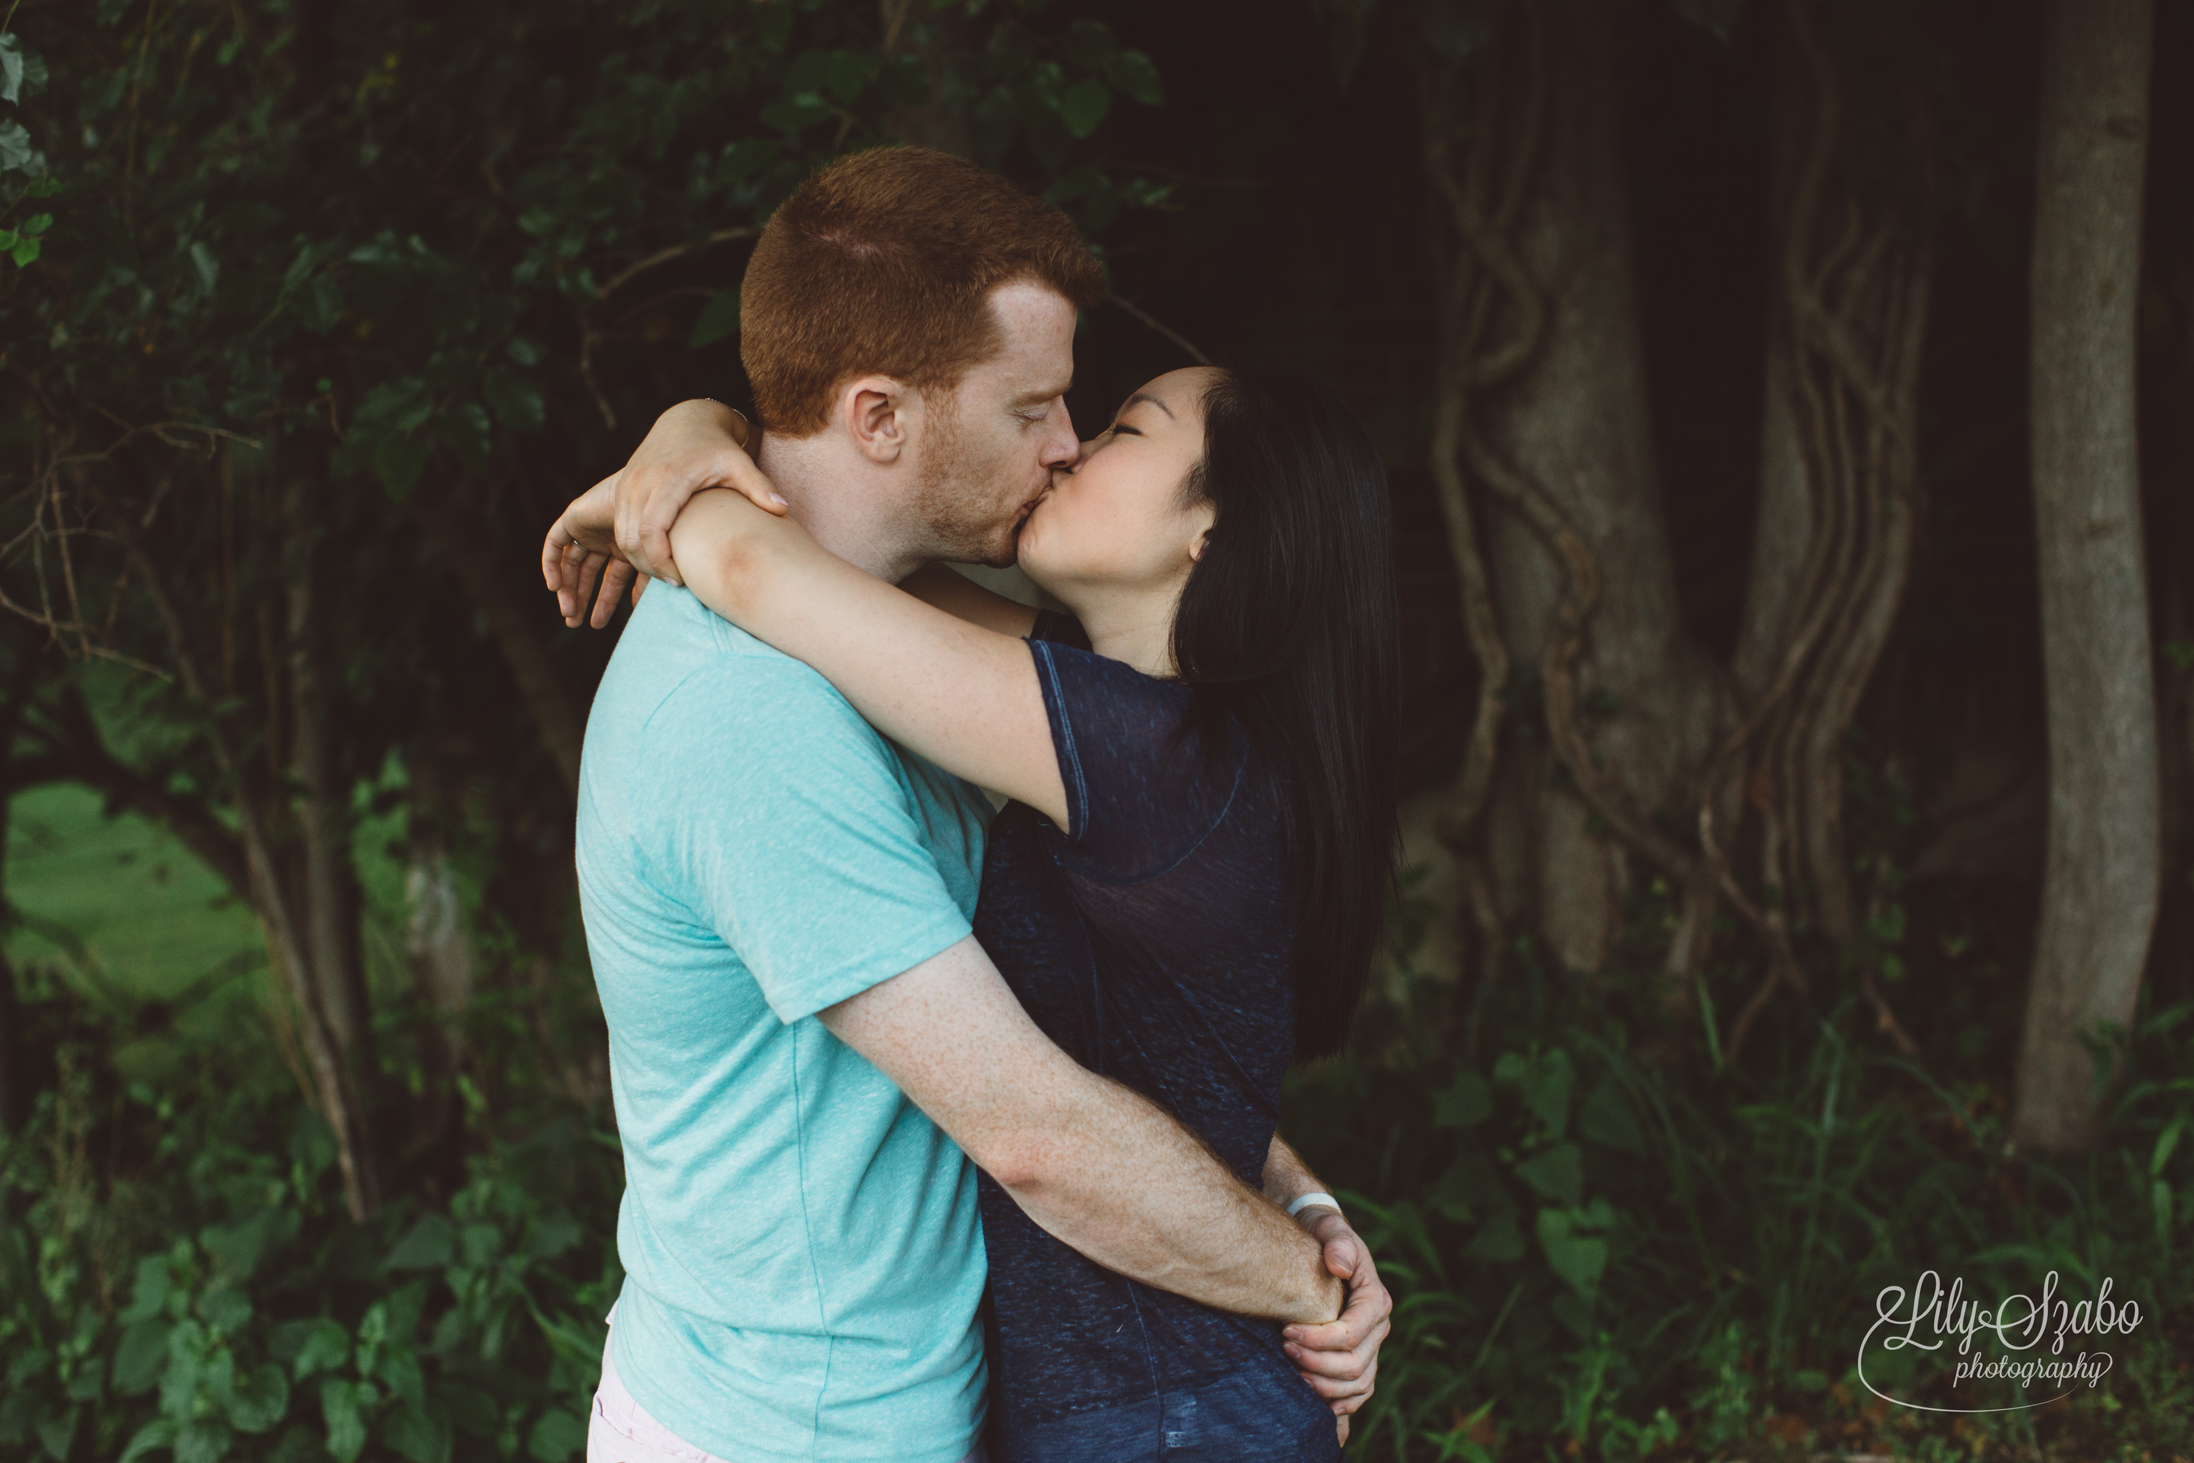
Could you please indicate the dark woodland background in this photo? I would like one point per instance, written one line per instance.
(1799, 892)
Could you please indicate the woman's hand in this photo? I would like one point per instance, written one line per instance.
(694, 445)
(580, 546)
(1340, 1360)
(619, 529)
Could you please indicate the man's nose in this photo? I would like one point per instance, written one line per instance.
(1063, 449)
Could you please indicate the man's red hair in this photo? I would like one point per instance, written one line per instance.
(883, 264)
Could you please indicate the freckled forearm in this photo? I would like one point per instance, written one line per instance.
(1126, 1186)
(1287, 1177)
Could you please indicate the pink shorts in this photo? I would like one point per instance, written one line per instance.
(620, 1430)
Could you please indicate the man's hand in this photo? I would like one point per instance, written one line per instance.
(1340, 1359)
(694, 445)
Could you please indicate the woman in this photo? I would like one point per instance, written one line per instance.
(1187, 886)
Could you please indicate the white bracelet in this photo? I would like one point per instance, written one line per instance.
(1309, 1199)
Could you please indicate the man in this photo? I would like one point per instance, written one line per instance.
(806, 1044)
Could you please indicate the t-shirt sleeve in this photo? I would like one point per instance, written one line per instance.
(1140, 793)
(789, 830)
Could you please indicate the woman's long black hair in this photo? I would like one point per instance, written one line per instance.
(1287, 623)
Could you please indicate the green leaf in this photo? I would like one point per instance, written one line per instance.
(429, 1245)
(1132, 72)
(401, 405)
(418, 1434)
(1073, 184)
(1578, 1259)
(208, 267)
(24, 253)
(11, 69)
(796, 111)
(326, 1349)
(319, 304)
(398, 461)
(471, 1410)
(480, 1243)
(58, 1434)
(1084, 105)
(150, 1438)
(741, 160)
(298, 1445)
(465, 431)
(345, 1405)
(38, 223)
(2166, 1142)
(1558, 1173)
(399, 1369)
(1102, 208)
(16, 153)
(203, 1440)
(140, 1356)
(1467, 1102)
(551, 1235)
(1573, 1311)
(1606, 1118)
(514, 399)
(225, 1309)
(151, 1295)
(237, 1248)
(1469, 1187)
(847, 73)
(1497, 1242)
(1545, 1079)
(557, 1436)
(718, 318)
(258, 1400)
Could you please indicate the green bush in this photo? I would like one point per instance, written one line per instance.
(1602, 1246)
(216, 1302)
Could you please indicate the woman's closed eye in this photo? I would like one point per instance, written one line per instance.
(1123, 429)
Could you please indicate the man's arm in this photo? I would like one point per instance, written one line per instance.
(1094, 1164)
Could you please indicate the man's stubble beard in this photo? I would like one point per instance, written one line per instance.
(954, 495)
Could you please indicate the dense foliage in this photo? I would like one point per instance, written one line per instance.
(1588, 1248)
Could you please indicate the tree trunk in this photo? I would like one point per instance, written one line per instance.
(2099, 888)
(441, 957)
(289, 945)
(517, 627)
(1575, 425)
(329, 885)
(11, 1016)
(1839, 482)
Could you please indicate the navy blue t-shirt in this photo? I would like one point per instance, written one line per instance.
(1151, 939)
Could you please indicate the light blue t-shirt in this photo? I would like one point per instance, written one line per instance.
(802, 1253)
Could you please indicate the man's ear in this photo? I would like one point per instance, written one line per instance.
(875, 411)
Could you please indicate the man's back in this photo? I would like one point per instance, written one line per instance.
(803, 1262)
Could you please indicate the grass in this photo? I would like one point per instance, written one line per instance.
(123, 914)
